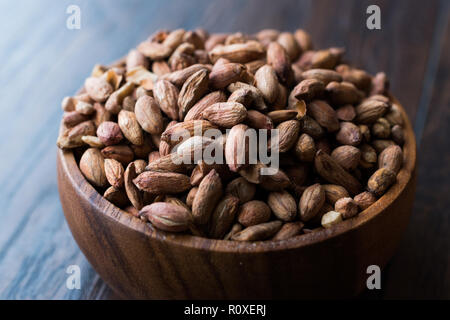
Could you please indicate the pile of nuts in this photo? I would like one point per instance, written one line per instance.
(340, 135)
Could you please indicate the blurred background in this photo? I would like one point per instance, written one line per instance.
(43, 61)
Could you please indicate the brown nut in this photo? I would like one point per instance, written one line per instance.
(311, 202)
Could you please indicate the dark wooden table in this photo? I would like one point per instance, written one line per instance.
(43, 61)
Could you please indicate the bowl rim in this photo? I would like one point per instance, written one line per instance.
(78, 181)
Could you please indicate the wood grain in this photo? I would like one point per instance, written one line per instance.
(424, 258)
(42, 61)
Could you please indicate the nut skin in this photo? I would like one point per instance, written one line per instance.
(116, 196)
(381, 129)
(326, 59)
(221, 76)
(289, 230)
(72, 118)
(136, 59)
(361, 79)
(380, 84)
(173, 132)
(368, 156)
(341, 93)
(149, 115)
(288, 42)
(202, 169)
(98, 88)
(278, 58)
(308, 89)
(253, 213)
(298, 174)
(67, 104)
(114, 172)
(142, 151)
(129, 103)
(121, 153)
(267, 83)
(101, 114)
(238, 52)
(349, 134)
(109, 133)
(255, 95)
(140, 165)
(160, 68)
(391, 158)
(305, 149)
(279, 116)
(395, 116)
(311, 127)
(223, 216)
(130, 127)
(334, 192)
(398, 135)
(236, 148)
(237, 227)
(258, 232)
(348, 157)
(167, 163)
(242, 189)
(347, 207)
(381, 144)
(208, 194)
(84, 108)
(115, 100)
(365, 133)
(162, 182)
(193, 89)
(92, 141)
(365, 199)
(324, 114)
(324, 145)
(333, 172)
(324, 75)
(133, 193)
(283, 205)
(380, 181)
(288, 134)
(370, 110)
(303, 39)
(311, 202)
(195, 113)
(72, 137)
(154, 50)
(346, 113)
(167, 216)
(166, 95)
(258, 120)
(275, 182)
(225, 114)
(93, 168)
(190, 197)
(179, 77)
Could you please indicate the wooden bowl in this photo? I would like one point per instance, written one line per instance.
(137, 261)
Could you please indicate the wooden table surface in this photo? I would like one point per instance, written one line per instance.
(43, 61)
